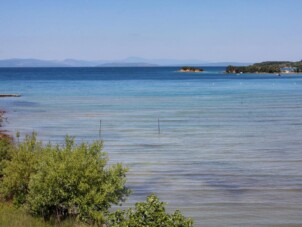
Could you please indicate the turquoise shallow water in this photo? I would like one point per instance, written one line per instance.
(229, 152)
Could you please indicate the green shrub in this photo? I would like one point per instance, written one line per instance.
(74, 181)
(63, 181)
(5, 146)
(151, 213)
(18, 169)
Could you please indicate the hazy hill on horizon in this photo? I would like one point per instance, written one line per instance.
(128, 62)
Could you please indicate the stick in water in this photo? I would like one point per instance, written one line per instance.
(100, 131)
(158, 125)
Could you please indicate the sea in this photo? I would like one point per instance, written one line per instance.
(224, 149)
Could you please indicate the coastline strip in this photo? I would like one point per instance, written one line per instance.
(9, 95)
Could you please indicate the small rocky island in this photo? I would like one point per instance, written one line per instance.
(190, 69)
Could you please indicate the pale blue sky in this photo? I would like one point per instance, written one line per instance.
(208, 30)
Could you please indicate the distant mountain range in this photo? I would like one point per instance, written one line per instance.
(128, 62)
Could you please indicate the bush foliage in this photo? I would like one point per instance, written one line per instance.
(62, 181)
(151, 213)
(5, 145)
(74, 181)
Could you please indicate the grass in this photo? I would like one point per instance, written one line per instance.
(13, 217)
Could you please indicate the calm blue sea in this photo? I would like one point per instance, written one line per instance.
(229, 151)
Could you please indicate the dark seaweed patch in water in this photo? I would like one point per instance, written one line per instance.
(145, 145)
(25, 103)
(142, 189)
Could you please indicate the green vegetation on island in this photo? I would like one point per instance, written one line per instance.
(268, 67)
(70, 185)
(190, 69)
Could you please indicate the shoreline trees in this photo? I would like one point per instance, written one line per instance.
(267, 67)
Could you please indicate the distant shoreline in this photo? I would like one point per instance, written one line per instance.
(272, 67)
(9, 95)
(256, 73)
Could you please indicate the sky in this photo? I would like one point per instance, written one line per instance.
(206, 30)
